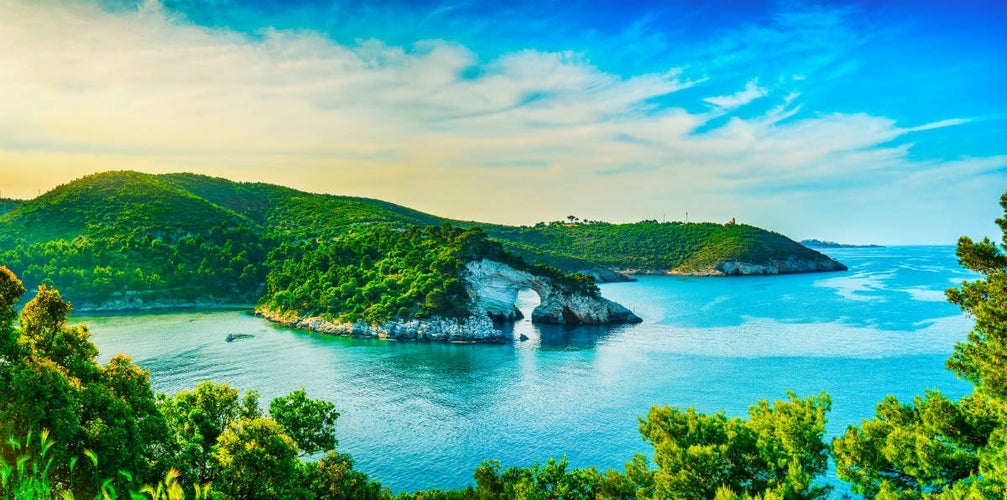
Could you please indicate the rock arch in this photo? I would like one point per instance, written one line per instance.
(493, 287)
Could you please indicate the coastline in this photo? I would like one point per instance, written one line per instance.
(159, 306)
(737, 268)
(473, 329)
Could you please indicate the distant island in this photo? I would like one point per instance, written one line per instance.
(813, 243)
(346, 265)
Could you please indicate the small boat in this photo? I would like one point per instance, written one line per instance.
(231, 337)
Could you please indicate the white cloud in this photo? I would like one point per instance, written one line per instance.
(938, 124)
(751, 92)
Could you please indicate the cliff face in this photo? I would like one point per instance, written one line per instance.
(493, 287)
(788, 266)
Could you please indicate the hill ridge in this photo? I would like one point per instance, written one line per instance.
(125, 239)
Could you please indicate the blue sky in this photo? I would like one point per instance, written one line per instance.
(855, 121)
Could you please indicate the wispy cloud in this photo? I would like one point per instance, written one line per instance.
(939, 124)
(751, 92)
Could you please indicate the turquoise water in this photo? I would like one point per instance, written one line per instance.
(418, 416)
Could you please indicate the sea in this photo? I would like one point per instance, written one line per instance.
(425, 415)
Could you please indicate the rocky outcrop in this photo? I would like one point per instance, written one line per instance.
(788, 266)
(603, 275)
(471, 329)
(493, 287)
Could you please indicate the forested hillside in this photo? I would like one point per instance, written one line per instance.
(378, 273)
(121, 240)
(6, 205)
(296, 214)
(650, 245)
(125, 239)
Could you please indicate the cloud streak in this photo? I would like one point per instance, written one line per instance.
(751, 92)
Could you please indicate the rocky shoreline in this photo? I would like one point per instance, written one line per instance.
(474, 329)
(791, 265)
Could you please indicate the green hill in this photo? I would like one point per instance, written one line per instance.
(112, 205)
(296, 213)
(650, 246)
(129, 240)
(6, 205)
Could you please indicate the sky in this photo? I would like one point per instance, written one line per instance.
(860, 122)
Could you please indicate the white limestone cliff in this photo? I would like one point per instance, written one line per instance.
(493, 287)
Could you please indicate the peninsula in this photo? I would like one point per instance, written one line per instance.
(357, 266)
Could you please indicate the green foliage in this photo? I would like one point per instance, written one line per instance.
(778, 450)
(934, 447)
(295, 215)
(196, 420)
(257, 460)
(647, 245)
(927, 446)
(7, 204)
(550, 481)
(225, 440)
(170, 489)
(310, 423)
(376, 273)
(11, 290)
(333, 478)
(50, 380)
(25, 470)
(133, 239)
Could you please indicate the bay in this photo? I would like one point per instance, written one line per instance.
(424, 415)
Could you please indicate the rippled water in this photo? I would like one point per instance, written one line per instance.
(418, 415)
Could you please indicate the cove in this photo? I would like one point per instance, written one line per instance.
(424, 415)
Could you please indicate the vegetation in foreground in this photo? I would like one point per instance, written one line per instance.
(57, 404)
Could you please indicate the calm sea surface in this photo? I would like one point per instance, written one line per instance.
(419, 416)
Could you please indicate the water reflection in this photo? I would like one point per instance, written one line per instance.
(560, 336)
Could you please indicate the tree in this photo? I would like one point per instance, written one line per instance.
(44, 332)
(52, 381)
(333, 478)
(257, 460)
(545, 482)
(196, 420)
(310, 422)
(934, 447)
(778, 450)
(11, 290)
